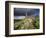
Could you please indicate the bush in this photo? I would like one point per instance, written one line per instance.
(37, 22)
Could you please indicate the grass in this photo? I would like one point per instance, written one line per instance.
(27, 23)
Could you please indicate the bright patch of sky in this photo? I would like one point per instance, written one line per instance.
(19, 17)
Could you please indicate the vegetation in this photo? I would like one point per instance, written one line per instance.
(27, 23)
(37, 22)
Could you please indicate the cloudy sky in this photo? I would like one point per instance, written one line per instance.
(23, 11)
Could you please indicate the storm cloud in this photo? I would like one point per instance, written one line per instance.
(23, 11)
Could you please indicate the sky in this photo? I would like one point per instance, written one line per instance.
(23, 11)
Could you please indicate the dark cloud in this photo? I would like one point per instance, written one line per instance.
(23, 11)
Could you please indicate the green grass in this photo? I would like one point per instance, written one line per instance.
(26, 23)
